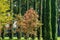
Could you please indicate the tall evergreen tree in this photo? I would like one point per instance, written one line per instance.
(47, 32)
(54, 19)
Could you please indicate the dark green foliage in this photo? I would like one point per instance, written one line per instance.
(48, 21)
(49, 18)
(46, 29)
(43, 20)
(54, 19)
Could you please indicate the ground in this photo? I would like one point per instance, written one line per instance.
(58, 38)
(6, 38)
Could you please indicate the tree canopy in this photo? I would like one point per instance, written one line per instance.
(5, 16)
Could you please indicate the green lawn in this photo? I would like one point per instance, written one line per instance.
(58, 38)
(15, 38)
(6, 38)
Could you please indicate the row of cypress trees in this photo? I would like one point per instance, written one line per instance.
(49, 20)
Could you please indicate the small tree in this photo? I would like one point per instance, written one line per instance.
(30, 22)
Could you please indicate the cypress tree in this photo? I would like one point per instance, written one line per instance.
(54, 18)
(48, 20)
(43, 20)
(46, 29)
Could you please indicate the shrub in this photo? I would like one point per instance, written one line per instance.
(29, 23)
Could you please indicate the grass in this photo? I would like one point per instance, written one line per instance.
(58, 38)
(14, 38)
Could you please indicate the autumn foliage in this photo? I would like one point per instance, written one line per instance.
(29, 22)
